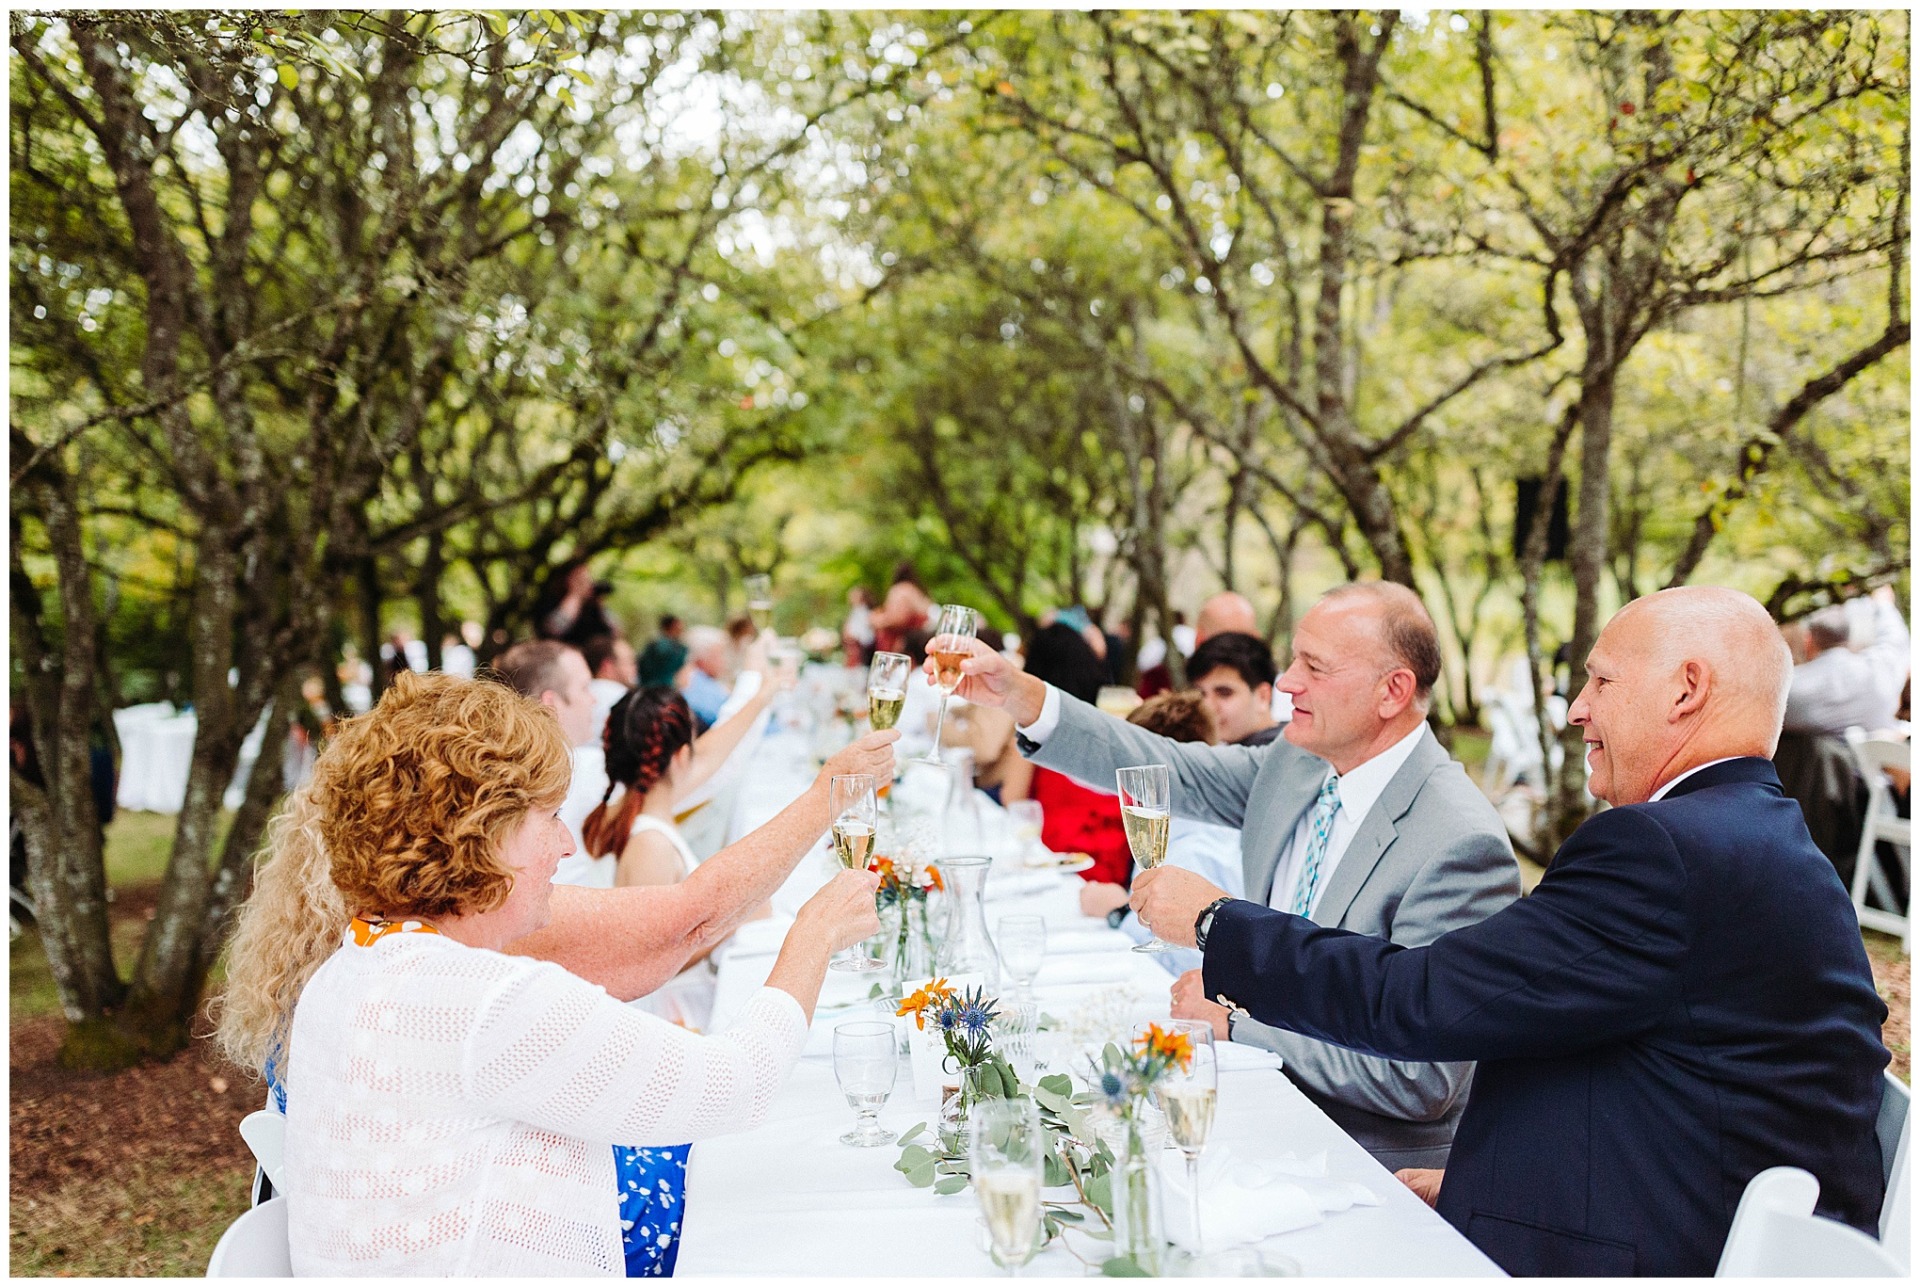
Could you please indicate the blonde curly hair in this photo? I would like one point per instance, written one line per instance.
(405, 816)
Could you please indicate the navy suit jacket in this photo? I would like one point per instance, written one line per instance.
(1683, 1002)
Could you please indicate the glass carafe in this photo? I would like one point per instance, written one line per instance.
(967, 948)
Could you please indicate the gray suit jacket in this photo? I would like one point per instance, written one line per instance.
(1431, 856)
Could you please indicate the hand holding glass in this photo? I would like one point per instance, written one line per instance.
(1008, 1156)
(855, 811)
(760, 600)
(865, 1061)
(946, 650)
(1145, 792)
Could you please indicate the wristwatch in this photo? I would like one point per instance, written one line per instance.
(1203, 923)
(1117, 915)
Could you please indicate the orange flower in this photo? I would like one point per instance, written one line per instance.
(927, 998)
(885, 867)
(934, 873)
(1176, 1047)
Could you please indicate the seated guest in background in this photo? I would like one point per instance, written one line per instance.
(706, 687)
(556, 675)
(1683, 1002)
(1234, 673)
(1355, 817)
(615, 670)
(906, 608)
(568, 607)
(1836, 687)
(1204, 847)
(1077, 818)
(663, 657)
(649, 759)
(484, 1142)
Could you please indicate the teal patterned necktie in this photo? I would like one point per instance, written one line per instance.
(1324, 808)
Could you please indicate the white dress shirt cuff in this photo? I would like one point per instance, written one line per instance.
(1048, 719)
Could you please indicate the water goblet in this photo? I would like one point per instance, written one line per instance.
(1028, 821)
(1022, 941)
(865, 1061)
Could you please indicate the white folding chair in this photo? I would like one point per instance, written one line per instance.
(265, 1132)
(255, 1245)
(1874, 755)
(1896, 1211)
(1776, 1235)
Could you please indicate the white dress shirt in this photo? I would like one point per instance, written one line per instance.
(1357, 790)
(1668, 786)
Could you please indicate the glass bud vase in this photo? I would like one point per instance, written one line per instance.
(1137, 1235)
(966, 947)
(910, 943)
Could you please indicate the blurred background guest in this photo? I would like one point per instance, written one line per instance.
(664, 655)
(905, 609)
(569, 608)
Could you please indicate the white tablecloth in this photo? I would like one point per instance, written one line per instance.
(156, 754)
(789, 1198)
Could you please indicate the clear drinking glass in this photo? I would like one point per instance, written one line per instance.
(855, 811)
(1022, 941)
(1145, 793)
(1188, 1099)
(1008, 1153)
(760, 600)
(865, 1061)
(887, 688)
(1028, 821)
(947, 650)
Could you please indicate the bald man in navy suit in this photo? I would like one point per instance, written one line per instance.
(1683, 1002)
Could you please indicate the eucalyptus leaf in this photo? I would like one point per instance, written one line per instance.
(952, 1184)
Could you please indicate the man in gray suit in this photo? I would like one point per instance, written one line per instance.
(1357, 818)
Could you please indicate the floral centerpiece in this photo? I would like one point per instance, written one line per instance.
(964, 1022)
(1123, 1081)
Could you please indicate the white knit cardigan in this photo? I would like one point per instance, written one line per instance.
(451, 1110)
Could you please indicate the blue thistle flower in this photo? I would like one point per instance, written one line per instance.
(1113, 1088)
(975, 1015)
(946, 1020)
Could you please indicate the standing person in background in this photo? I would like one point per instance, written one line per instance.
(706, 688)
(568, 607)
(904, 610)
(1234, 673)
(1078, 819)
(856, 632)
(1836, 687)
(665, 654)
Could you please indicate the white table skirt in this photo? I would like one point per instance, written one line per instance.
(789, 1198)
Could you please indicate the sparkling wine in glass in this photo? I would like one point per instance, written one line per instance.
(887, 688)
(855, 811)
(760, 600)
(1145, 793)
(1007, 1157)
(865, 1061)
(1189, 1099)
(1022, 941)
(952, 643)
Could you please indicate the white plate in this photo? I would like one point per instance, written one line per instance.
(1067, 864)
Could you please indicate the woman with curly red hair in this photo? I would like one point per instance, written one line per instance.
(452, 1108)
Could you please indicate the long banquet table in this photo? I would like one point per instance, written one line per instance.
(789, 1198)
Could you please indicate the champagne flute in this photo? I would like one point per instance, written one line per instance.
(865, 1062)
(1022, 941)
(1189, 1098)
(947, 651)
(760, 601)
(887, 688)
(1145, 791)
(855, 811)
(1008, 1154)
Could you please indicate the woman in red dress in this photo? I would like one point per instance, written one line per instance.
(1077, 819)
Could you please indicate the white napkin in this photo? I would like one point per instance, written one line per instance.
(1022, 886)
(1240, 1202)
(1236, 1056)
